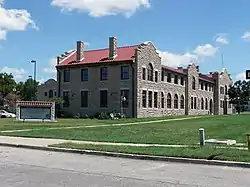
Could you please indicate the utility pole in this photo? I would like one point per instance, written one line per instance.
(222, 60)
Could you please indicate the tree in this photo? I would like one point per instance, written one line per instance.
(7, 85)
(239, 94)
(11, 100)
(28, 89)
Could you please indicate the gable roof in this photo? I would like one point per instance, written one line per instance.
(126, 53)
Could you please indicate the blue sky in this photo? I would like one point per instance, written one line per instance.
(183, 31)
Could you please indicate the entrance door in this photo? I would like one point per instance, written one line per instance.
(225, 107)
(211, 107)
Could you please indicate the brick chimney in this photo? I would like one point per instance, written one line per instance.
(59, 59)
(79, 51)
(112, 47)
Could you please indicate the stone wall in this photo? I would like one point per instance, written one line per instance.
(225, 81)
(147, 56)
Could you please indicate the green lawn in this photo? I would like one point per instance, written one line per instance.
(12, 124)
(172, 132)
(207, 152)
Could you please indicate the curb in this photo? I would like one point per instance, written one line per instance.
(133, 156)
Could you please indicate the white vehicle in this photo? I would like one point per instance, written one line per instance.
(5, 114)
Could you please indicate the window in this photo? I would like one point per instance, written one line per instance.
(206, 105)
(156, 76)
(162, 100)
(84, 75)
(229, 105)
(155, 99)
(51, 93)
(175, 101)
(104, 73)
(84, 99)
(55, 93)
(182, 102)
(162, 75)
(195, 102)
(209, 87)
(169, 77)
(176, 79)
(124, 72)
(144, 98)
(202, 86)
(221, 90)
(192, 103)
(193, 83)
(182, 81)
(66, 99)
(169, 100)
(150, 99)
(202, 104)
(226, 90)
(150, 72)
(124, 98)
(103, 98)
(206, 86)
(45, 94)
(144, 73)
(66, 76)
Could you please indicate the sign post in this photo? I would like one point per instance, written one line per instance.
(248, 74)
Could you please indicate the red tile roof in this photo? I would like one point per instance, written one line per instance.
(207, 77)
(35, 104)
(126, 53)
(174, 70)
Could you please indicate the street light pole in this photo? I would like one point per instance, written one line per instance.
(34, 62)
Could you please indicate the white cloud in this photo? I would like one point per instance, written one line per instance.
(175, 60)
(19, 74)
(206, 50)
(98, 8)
(221, 39)
(241, 76)
(3, 34)
(246, 36)
(51, 67)
(14, 20)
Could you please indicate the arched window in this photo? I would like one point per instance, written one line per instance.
(169, 100)
(150, 72)
(182, 102)
(202, 104)
(206, 104)
(193, 83)
(162, 100)
(176, 101)
(51, 93)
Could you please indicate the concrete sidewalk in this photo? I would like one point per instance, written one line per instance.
(43, 144)
(46, 142)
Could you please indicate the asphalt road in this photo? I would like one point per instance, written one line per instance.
(33, 168)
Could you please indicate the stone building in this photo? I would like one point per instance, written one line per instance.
(47, 90)
(132, 80)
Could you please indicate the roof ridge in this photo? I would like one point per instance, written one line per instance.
(101, 49)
